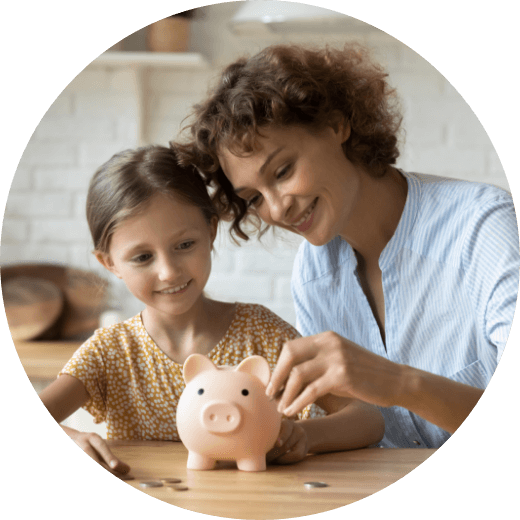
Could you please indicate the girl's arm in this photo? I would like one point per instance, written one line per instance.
(355, 425)
(62, 398)
(350, 425)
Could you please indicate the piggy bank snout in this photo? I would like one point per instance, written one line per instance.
(220, 417)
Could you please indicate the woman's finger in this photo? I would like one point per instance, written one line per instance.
(292, 354)
(300, 376)
(309, 394)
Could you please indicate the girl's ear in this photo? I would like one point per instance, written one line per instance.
(105, 260)
(214, 228)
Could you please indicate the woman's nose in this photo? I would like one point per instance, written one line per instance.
(278, 205)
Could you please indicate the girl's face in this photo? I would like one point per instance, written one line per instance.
(163, 254)
(298, 179)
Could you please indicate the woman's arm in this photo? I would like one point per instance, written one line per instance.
(437, 399)
(327, 363)
(62, 398)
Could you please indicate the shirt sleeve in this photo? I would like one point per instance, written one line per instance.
(88, 365)
(491, 261)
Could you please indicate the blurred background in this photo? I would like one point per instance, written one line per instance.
(139, 92)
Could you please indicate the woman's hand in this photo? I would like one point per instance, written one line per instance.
(291, 446)
(311, 367)
(97, 448)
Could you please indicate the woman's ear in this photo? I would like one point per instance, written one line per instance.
(341, 126)
(106, 261)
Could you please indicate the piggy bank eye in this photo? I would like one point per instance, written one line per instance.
(245, 392)
(200, 391)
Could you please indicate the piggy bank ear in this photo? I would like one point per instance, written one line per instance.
(256, 366)
(195, 364)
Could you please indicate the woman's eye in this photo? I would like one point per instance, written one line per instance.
(283, 172)
(253, 201)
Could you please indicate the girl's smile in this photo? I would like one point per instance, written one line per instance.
(180, 289)
(163, 254)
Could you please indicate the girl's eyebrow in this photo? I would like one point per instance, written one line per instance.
(264, 166)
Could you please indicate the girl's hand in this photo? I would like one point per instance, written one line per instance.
(97, 448)
(311, 367)
(291, 446)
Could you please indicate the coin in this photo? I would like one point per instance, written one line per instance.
(150, 483)
(171, 480)
(312, 485)
(177, 487)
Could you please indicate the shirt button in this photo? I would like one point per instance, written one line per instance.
(417, 442)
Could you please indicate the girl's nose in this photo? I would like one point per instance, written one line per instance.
(167, 270)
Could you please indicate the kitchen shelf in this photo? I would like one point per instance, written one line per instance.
(181, 60)
(142, 62)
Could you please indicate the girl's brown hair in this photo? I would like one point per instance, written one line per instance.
(122, 186)
(292, 85)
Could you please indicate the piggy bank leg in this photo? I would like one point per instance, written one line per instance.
(252, 464)
(198, 461)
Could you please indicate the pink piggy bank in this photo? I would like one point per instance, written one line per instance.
(224, 414)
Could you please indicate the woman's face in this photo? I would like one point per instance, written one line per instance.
(298, 179)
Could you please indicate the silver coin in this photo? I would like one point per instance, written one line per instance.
(177, 487)
(312, 485)
(150, 483)
(171, 480)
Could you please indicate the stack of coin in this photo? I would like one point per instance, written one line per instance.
(171, 483)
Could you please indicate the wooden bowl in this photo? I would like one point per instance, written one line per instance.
(84, 297)
(32, 306)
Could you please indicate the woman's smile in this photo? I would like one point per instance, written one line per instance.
(305, 222)
(298, 179)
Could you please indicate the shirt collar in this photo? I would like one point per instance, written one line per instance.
(406, 222)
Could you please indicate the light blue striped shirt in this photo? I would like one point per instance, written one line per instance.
(450, 282)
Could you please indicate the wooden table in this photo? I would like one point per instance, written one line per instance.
(44, 359)
(276, 493)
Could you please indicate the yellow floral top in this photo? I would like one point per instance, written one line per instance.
(135, 387)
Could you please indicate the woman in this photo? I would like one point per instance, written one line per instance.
(405, 285)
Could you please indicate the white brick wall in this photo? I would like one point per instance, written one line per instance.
(97, 115)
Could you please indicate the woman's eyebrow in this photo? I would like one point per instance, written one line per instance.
(264, 166)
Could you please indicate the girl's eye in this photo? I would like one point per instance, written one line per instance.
(142, 258)
(186, 245)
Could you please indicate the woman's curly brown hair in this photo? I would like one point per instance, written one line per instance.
(292, 85)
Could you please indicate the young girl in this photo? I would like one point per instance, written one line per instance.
(153, 225)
